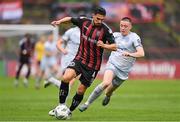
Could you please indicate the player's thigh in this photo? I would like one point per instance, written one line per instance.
(28, 64)
(52, 64)
(44, 64)
(55, 67)
(108, 77)
(69, 74)
(87, 77)
(72, 70)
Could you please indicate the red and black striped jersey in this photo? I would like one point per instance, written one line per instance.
(89, 53)
(26, 48)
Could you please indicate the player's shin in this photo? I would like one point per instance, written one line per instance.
(63, 92)
(76, 101)
(54, 81)
(95, 94)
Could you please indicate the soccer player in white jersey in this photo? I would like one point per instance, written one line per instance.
(70, 40)
(49, 59)
(120, 62)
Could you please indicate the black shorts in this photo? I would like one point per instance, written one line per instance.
(87, 75)
(24, 60)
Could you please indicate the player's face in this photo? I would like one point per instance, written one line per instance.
(98, 19)
(125, 27)
(50, 38)
(42, 39)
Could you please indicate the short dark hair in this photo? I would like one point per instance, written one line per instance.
(127, 19)
(100, 10)
(27, 35)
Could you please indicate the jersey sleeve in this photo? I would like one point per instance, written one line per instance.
(137, 41)
(22, 46)
(109, 36)
(116, 34)
(21, 41)
(78, 21)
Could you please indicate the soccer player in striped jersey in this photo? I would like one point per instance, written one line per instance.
(95, 36)
(120, 62)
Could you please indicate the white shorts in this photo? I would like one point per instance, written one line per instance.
(48, 62)
(65, 61)
(118, 74)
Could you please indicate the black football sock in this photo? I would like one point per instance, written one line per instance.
(63, 92)
(28, 73)
(76, 101)
(18, 71)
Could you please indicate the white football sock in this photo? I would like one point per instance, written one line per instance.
(95, 94)
(55, 81)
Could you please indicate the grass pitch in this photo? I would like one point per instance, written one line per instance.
(142, 100)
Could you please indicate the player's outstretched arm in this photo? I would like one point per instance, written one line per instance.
(137, 54)
(59, 46)
(63, 20)
(111, 47)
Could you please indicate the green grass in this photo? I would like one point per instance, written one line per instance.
(134, 101)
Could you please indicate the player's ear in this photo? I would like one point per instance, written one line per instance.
(130, 26)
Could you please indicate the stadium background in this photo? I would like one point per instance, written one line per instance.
(156, 21)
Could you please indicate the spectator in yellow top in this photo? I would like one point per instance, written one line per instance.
(39, 53)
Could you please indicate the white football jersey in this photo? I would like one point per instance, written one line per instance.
(127, 43)
(72, 38)
(50, 47)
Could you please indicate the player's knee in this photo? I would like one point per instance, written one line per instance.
(105, 84)
(55, 70)
(68, 75)
(66, 78)
(81, 90)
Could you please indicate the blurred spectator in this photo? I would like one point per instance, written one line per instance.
(49, 61)
(25, 54)
(39, 54)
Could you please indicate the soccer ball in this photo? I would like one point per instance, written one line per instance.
(62, 112)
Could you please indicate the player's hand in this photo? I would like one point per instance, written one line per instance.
(100, 43)
(126, 53)
(54, 23)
